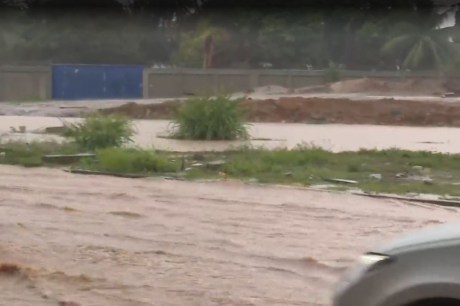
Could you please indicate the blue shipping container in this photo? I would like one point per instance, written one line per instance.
(79, 82)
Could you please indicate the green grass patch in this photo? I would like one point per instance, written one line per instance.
(130, 161)
(402, 171)
(210, 118)
(31, 154)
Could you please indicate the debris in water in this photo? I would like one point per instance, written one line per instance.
(10, 269)
(438, 201)
(89, 172)
(68, 303)
(216, 163)
(22, 129)
(58, 130)
(342, 181)
(376, 176)
(431, 142)
(449, 94)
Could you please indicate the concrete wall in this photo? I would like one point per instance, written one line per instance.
(173, 83)
(159, 83)
(18, 83)
(25, 83)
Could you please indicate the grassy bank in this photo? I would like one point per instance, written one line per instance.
(116, 160)
(390, 171)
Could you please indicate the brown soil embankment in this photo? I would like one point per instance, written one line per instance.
(387, 111)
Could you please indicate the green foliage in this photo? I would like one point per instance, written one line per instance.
(208, 118)
(285, 38)
(81, 37)
(30, 154)
(98, 131)
(420, 48)
(308, 165)
(333, 73)
(130, 160)
(191, 47)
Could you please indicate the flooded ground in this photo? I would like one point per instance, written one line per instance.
(334, 137)
(70, 108)
(88, 240)
(75, 240)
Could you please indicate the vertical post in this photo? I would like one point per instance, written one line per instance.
(47, 84)
(208, 51)
(145, 83)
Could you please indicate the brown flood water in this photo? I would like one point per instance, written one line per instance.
(333, 137)
(89, 240)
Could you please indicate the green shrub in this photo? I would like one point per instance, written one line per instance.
(333, 73)
(207, 118)
(98, 131)
(131, 160)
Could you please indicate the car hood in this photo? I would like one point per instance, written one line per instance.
(430, 236)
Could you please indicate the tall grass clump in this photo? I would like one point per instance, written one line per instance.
(101, 131)
(211, 118)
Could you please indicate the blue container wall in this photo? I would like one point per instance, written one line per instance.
(79, 82)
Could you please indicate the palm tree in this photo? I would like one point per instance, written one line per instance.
(421, 47)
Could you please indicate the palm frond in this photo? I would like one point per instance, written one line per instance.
(397, 44)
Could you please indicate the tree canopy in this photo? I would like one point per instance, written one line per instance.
(360, 34)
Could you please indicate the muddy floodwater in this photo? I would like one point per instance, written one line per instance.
(89, 240)
(333, 137)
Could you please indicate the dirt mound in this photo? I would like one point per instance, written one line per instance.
(383, 111)
(382, 86)
(313, 89)
(322, 110)
(359, 85)
(144, 111)
(271, 90)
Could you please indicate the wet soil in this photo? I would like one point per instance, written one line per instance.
(385, 111)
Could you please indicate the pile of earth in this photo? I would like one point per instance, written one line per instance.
(134, 110)
(386, 111)
(384, 86)
(380, 86)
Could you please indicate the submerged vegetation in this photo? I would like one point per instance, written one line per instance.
(211, 118)
(98, 132)
(389, 171)
(105, 139)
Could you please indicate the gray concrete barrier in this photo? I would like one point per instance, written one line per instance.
(25, 83)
